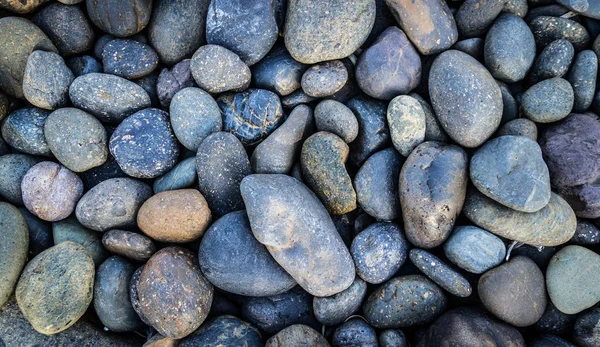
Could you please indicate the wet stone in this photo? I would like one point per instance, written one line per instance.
(13, 253)
(217, 69)
(13, 168)
(324, 79)
(554, 61)
(335, 117)
(474, 249)
(128, 58)
(183, 175)
(583, 77)
(128, 244)
(23, 130)
(278, 72)
(547, 29)
(519, 127)
(84, 64)
(224, 331)
(548, 101)
(120, 18)
(406, 120)
(335, 309)
(440, 273)
(71, 230)
(354, 332)
(171, 81)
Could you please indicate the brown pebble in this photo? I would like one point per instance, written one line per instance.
(129, 244)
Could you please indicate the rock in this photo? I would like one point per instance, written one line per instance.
(587, 8)
(296, 98)
(433, 184)
(111, 295)
(318, 260)
(77, 139)
(133, 294)
(40, 233)
(516, 7)
(519, 127)
(4, 106)
(552, 225)
(392, 338)
(71, 230)
(278, 72)
(108, 97)
(19, 38)
(251, 115)
(113, 203)
(194, 115)
(335, 309)
(373, 132)
(378, 252)
(465, 97)
(509, 49)
(13, 168)
(74, 35)
(46, 80)
(128, 244)
(514, 292)
(144, 144)
(584, 199)
(473, 47)
(247, 267)
(23, 130)
(334, 117)
(582, 77)
(183, 175)
(297, 335)
(354, 332)
(474, 17)
(540, 256)
(474, 249)
(586, 234)
(376, 185)
(170, 82)
(548, 101)
(280, 150)
(510, 107)
(555, 322)
(176, 216)
(570, 279)
(174, 295)
(249, 29)
(110, 169)
(547, 29)
(120, 18)
(82, 65)
(469, 326)
(221, 164)
(13, 253)
(161, 341)
(21, 7)
(390, 67)
(407, 123)
(217, 69)
(554, 61)
(585, 332)
(63, 271)
(129, 58)
(433, 130)
(440, 273)
(176, 29)
(404, 302)
(324, 79)
(224, 331)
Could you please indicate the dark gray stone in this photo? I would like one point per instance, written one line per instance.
(224, 331)
(128, 58)
(110, 169)
(473, 47)
(336, 118)
(23, 130)
(474, 17)
(584, 199)
(546, 8)
(510, 107)
(278, 72)
(586, 331)
(554, 61)
(335, 309)
(407, 123)
(555, 322)
(354, 332)
(120, 17)
(134, 298)
(474, 249)
(148, 83)
(373, 132)
(296, 98)
(519, 127)
(551, 341)
(70, 230)
(13, 168)
(40, 233)
(84, 64)
(548, 101)
(324, 79)
(586, 234)
(128, 244)
(13, 255)
(433, 130)
(583, 77)
(392, 338)
(46, 80)
(170, 82)
(183, 175)
(547, 29)
(588, 8)
(440, 273)
(217, 69)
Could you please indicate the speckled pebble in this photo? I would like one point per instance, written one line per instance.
(128, 58)
(23, 130)
(336, 118)
(354, 332)
(46, 80)
(548, 101)
(128, 244)
(474, 249)
(217, 69)
(440, 273)
(519, 127)
(547, 29)
(335, 309)
(324, 79)
(406, 120)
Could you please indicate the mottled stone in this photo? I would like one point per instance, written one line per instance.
(373, 132)
(120, 17)
(129, 58)
(474, 17)
(324, 79)
(13, 249)
(73, 35)
(433, 130)
(297, 335)
(224, 331)
(278, 72)
(21, 6)
(23, 130)
(547, 29)
(554, 61)
(440, 273)
(183, 175)
(583, 77)
(392, 338)
(519, 127)
(83, 64)
(406, 120)
(586, 331)
(170, 82)
(128, 244)
(586, 233)
(335, 309)
(13, 168)
(46, 80)
(548, 101)
(354, 332)
(334, 117)
(474, 249)
(217, 69)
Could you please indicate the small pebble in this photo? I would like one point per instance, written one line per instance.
(324, 79)
(128, 244)
(440, 273)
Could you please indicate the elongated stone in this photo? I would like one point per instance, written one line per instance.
(13, 249)
(407, 123)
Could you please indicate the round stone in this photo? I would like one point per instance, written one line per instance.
(23, 130)
(224, 331)
(170, 82)
(297, 334)
(46, 81)
(519, 127)
(71, 230)
(217, 69)
(278, 72)
(473, 18)
(553, 61)
(324, 79)
(407, 123)
(334, 117)
(335, 309)
(128, 244)
(548, 101)
(474, 249)
(13, 168)
(120, 17)
(13, 252)
(354, 332)
(128, 58)
(546, 29)
(440, 273)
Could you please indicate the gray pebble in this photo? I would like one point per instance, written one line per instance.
(128, 244)
(553, 61)
(406, 120)
(473, 47)
(440, 273)
(128, 58)
(392, 338)
(84, 64)
(217, 69)
(547, 29)
(354, 332)
(118, 17)
(474, 249)
(324, 79)
(510, 107)
(46, 81)
(170, 82)
(519, 127)
(23, 130)
(336, 118)
(583, 77)
(373, 132)
(13, 168)
(297, 98)
(71, 230)
(278, 72)
(474, 17)
(297, 334)
(548, 101)
(183, 175)
(332, 310)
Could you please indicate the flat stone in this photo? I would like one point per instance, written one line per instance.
(13, 168)
(170, 82)
(474, 249)
(440, 273)
(23, 130)
(519, 127)
(128, 244)
(71, 230)
(334, 117)
(474, 17)
(548, 101)
(583, 77)
(373, 132)
(217, 69)
(129, 58)
(354, 332)
(335, 309)
(14, 250)
(324, 79)
(120, 18)
(554, 61)
(278, 72)
(407, 123)
(183, 175)
(297, 334)
(547, 29)
(224, 331)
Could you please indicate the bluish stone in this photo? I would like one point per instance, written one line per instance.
(354, 332)
(23, 130)
(224, 331)
(183, 175)
(474, 249)
(278, 72)
(332, 310)
(373, 132)
(84, 64)
(440, 273)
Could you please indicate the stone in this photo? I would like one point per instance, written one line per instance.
(19, 38)
(110, 169)
(551, 341)
(170, 82)
(175, 216)
(584, 199)
(176, 29)
(21, 7)
(514, 292)
(161, 341)
(324, 79)
(246, 268)
(224, 331)
(77, 139)
(63, 271)
(546, 29)
(297, 335)
(474, 249)
(585, 331)
(194, 115)
(354, 332)
(46, 80)
(217, 69)
(134, 298)
(404, 302)
(376, 185)
(428, 24)
(390, 67)
(249, 28)
(587, 8)
(251, 115)
(519, 127)
(378, 252)
(84, 64)
(555, 322)
(144, 144)
(509, 48)
(74, 35)
(335, 309)
(40, 233)
(373, 132)
(586, 233)
(465, 97)
(14, 249)
(221, 164)
(120, 18)
(583, 77)
(113, 203)
(440, 273)
(516, 7)
(392, 338)
(336, 32)
(4, 106)
(473, 47)
(183, 175)
(510, 107)
(111, 295)
(13, 168)
(554, 61)
(128, 58)
(318, 260)
(548, 101)
(432, 184)
(280, 150)
(174, 295)
(110, 98)
(71, 230)
(474, 17)
(278, 72)
(570, 279)
(128, 244)
(23, 130)
(433, 130)
(335, 117)
(406, 120)
(297, 98)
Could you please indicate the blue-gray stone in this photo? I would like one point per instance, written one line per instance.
(440, 273)
(217, 69)
(71, 230)
(46, 80)
(278, 72)
(474, 249)
(587, 8)
(332, 310)
(120, 17)
(40, 233)
(582, 77)
(128, 58)
(183, 175)
(324, 79)
(433, 130)
(548, 101)
(23, 130)
(296, 98)
(392, 338)
(354, 332)
(473, 47)
(224, 331)
(474, 17)
(546, 29)
(170, 82)
(334, 117)
(84, 64)
(407, 123)
(373, 132)
(13, 168)
(553, 61)
(519, 127)
(510, 107)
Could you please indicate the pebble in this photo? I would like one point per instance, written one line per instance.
(128, 244)
(376, 184)
(586, 233)
(40, 233)
(23, 6)
(354, 332)
(13, 168)
(432, 184)
(183, 175)
(63, 271)
(217, 69)
(392, 338)
(440, 273)
(548, 101)
(224, 331)
(516, 7)
(514, 292)
(465, 97)
(473, 47)
(278, 72)
(14, 250)
(71, 230)
(519, 127)
(324, 79)
(335, 117)
(120, 18)
(303, 241)
(373, 132)
(406, 120)
(297, 335)
(433, 130)
(246, 268)
(390, 67)
(474, 249)
(404, 301)
(174, 295)
(113, 203)
(583, 77)
(379, 251)
(77, 139)
(554, 61)
(194, 115)
(546, 29)
(221, 164)
(587, 8)
(108, 97)
(335, 309)
(84, 64)
(555, 322)
(585, 331)
(510, 107)
(170, 82)
(23, 130)
(296, 98)
(474, 17)
(144, 144)
(129, 58)
(96, 175)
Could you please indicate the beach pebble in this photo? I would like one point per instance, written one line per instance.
(217, 69)
(13, 253)
(128, 244)
(474, 249)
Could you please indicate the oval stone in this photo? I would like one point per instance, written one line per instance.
(74, 35)
(474, 249)
(548, 101)
(46, 80)
(547, 29)
(519, 127)
(128, 244)
(354, 332)
(23, 130)
(583, 76)
(407, 123)
(120, 17)
(224, 331)
(553, 61)
(440, 273)
(334, 117)
(183, 175)
(71, 230)
(324, 79)
(373, 132)
(217, 69)
(128, 58)
(333, 310)
(474, 17)
(13, 168)
(278, 72)
(297, 334)
(13, 250)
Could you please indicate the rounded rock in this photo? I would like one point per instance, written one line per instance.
(46, 81)
(120, 18)
(519, 127)
(334, 117)
(128, 244)
(440, 273)
(354, 332)
(324, 79)
(170, 82)
(224, 331)
(23, 130)
(474, 249)
(128, 58)
(553, 61)
(297, 335)
(583, 76)
(13, 252)
(373, 132)
(407, 123)
(13, 168)
(546, 29)
(217, 69)
(548, 101)
(71, 230)
(335, 309)
(183, 175)
(278, 72)
(474, 17)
